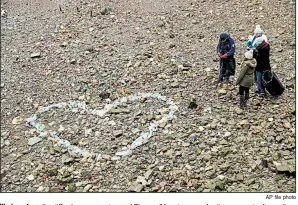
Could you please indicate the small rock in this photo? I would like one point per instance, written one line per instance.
(30, 177)
(52, 172)
(105, 11)
(35, 55)
(71, 187)
(87, 188)
(222, 91)
(175, 85)
(115, 158)
(171, 45)
(265, 150)
(163, 124)
(227, 134)
(61, 128)
(185, 144)
(118, 111)
(192, 103)
(64, 44)
(282, 168)
(104, 95)
(136, 188)
(17, 120)
(117, 133)
(148, 174)
(243, 122)
(67, 160)
(239, 177)
(106, 157)
(33, 140)
(73, 61)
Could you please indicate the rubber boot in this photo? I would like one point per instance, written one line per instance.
(242, 99)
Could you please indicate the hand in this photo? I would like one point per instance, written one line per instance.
(224, 56)
(218, 54)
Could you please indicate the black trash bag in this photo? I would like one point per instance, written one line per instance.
(272, 83)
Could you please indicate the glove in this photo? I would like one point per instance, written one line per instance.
(248, 44)
(224, 56)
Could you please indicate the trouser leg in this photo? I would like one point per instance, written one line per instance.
(260, 84)
(241, 96)
(246, 96)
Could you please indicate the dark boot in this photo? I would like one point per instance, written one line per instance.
(246, 99)
(242, 99)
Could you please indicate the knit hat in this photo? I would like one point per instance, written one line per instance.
(223, 36)
(259, 40)
(249, 54)
(258, 29)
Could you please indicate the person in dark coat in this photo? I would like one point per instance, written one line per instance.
(225, 50)
(261, 54)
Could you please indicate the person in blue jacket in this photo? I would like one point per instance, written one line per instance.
(225, 50)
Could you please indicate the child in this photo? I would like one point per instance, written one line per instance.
(246, 77)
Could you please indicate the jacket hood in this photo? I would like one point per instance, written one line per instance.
(224, 36)
(250, 62)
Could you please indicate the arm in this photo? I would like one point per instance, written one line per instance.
(233, 47)
(241, 74)
(218, 48)
(255, 53)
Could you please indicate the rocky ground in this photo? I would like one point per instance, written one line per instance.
(99, 51)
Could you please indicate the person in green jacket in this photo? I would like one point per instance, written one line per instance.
(246, 77)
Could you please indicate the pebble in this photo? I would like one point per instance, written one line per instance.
(33, 140)
(35, 55)
(87, 188)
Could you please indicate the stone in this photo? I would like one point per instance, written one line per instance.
(71, 187)
(185, 144)
(52, 172)
(243, 122)
(106, 157)
(30, 177)
(265, 150)
(141, 180)
(171, 45)
(175, 85)
(118, 111)
(163, 124)
(136, 188)
(227, 134)
(192, 103)
(223, 142)
(222, 91)
(66, 173)
(33, 140)
(67, 160)
(283, 168)
(17, 120)
(117, 133)
(148, 174)
(35, 55)
(87, 188)
(239, 177)
(105, 11)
